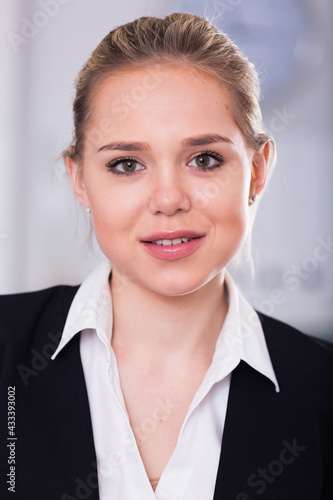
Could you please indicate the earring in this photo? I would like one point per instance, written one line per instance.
(252, 199)
(88, 210)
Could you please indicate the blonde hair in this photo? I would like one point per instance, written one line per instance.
(183, 38)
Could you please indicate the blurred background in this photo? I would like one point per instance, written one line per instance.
(44, 235)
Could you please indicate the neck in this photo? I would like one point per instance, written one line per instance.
(160, 328)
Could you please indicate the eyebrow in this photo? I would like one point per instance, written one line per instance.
(125, 146)
(200, 140)
(203, 140)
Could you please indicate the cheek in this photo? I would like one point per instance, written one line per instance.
(231, 224)
(230, 215)
(228, 205)
(228, 192)
(114, 212)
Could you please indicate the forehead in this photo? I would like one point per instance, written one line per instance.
(164, 96)
(136, 86)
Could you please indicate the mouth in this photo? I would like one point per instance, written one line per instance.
(173, 245)
(169, 238)
(169, 243)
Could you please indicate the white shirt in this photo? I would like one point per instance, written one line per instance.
(191, 471)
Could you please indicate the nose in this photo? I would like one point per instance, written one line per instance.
(169, 194)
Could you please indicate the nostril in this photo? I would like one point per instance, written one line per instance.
(169, 203)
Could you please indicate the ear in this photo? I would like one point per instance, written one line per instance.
(260, 161)
(76, 177)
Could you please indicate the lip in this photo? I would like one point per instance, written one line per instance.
(173, 252)
(172, 235)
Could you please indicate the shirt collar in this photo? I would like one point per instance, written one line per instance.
(91, 308)
(241, 337)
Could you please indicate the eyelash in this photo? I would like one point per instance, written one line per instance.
(216, 156)
(112, 164)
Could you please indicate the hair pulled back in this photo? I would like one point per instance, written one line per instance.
(179, 37)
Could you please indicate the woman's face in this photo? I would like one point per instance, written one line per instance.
(167, 175)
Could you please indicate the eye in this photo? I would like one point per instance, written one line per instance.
(207, 161)
(124, 166)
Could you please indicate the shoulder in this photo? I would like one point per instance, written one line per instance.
(25, 309)
(281, 328)
(299, 360)
(27, 318)
(284, 335)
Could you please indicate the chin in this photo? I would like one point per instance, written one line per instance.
(172, 286)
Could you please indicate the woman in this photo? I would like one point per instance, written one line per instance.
(155, 378)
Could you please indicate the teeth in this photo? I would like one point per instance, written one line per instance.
(168, 243)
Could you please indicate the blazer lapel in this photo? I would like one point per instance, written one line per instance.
(56, 453)
(270, 447)
(251, 406)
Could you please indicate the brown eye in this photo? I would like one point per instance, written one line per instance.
(124, 166)
(207, 161)
(129, 165)
(203, 160)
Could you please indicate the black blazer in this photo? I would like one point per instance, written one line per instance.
(276, 446)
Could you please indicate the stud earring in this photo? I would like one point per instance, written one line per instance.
(252, 199)
(88, 210)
